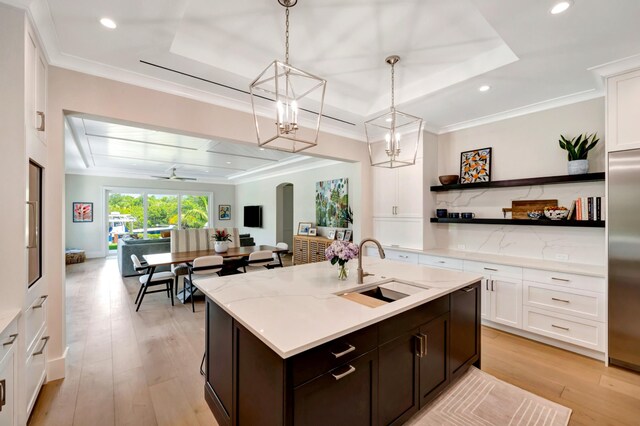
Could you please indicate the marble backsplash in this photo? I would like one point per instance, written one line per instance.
(578, 245)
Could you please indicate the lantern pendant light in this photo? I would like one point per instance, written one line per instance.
(393, 138)
(291, 89)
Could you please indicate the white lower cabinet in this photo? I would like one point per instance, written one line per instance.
(35, 370)
(9, 375)
(567, 328)
(441, 262)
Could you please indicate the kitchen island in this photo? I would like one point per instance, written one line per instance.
(298, 346)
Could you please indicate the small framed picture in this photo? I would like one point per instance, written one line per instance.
(82, 212)
(347, 235)
(313, 232)
(303, 228)
(332, 234)
(475, 166)
(224, 212)
(340, 236)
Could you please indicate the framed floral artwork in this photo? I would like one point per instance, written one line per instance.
(224, 212)
(475, 166)
(82, 212)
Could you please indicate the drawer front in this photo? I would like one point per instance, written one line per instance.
(580, 332)
(317, 361)
(35, 370)
(34, 319)
(493, 269)
(395, 326)
(441, 262)
(584, 304)
(401, 256)
(581, 282)
(8, 339)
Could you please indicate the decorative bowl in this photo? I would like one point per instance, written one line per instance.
(448, 179)
(556, 213)
(535, 215)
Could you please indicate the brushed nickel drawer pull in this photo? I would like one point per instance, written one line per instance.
(3, 393)
(561, 328)
(418, 345)
(40, 114)
(346, 373)
(423, 341)
(468, 289)
(41, 351)
(490, 269)
(351, 348)
(42, 300)
(441, 261)
(560, 300)
(13, 338)
(561, 279)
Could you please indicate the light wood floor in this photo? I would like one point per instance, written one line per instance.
(131, 368)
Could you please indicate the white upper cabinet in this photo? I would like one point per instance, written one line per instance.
(623, 104)
(35, 90)
(398, 192)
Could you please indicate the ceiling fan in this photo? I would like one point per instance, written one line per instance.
(173, 176)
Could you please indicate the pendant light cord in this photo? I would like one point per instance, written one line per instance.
(286, 36)
(393, 84)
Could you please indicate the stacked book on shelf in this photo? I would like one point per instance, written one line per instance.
(586, 208)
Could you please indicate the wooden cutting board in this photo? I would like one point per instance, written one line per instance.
(520, 208)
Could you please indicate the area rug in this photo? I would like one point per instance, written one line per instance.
(478, 398)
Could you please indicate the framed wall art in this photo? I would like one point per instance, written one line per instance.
(82, 212)
(332, 202)
(475, 166)
(313, 232)
(224, 212)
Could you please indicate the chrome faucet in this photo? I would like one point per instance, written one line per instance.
(361, 272)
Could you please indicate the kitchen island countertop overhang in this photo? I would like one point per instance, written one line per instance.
(295, 309)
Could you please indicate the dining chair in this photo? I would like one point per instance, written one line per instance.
(157, 278)
(257, 259)
(277, 257)
(202, 267)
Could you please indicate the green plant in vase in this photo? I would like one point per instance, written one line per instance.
(577, 151)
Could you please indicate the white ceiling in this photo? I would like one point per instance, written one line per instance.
(108, 148)
(448, 48)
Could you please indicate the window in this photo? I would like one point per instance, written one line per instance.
(194, 211)
(162, 214)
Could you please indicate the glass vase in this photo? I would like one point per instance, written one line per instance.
(343, 272)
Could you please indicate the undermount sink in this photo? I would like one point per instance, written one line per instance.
(379, 294)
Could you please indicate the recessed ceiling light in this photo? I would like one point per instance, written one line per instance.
(261, 149)
(108, 23)
(484, 88)
(561, 6)
(228, 162)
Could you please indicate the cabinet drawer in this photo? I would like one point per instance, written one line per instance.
(396, 326)
(580, 332)
(35, 370)
(580, 303)
(401, 256)
(8, 339)
(34, 318)
(441, 262)
(581, 282)
(317, 361)
(493, 269)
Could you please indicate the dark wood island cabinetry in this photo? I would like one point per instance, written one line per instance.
(382, 374)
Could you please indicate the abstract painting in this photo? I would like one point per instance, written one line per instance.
(224, 212)
(475, 166)
(332, 203)
(82, 212)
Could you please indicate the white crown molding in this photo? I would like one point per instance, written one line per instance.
(619, 66)
(525, 110)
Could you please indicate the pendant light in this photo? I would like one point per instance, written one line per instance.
(291, 89)
(393, 137)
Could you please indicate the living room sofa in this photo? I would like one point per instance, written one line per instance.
(140, 247)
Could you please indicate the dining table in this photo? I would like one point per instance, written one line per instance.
(232, 261)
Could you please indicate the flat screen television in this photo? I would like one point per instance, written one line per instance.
(253, 216)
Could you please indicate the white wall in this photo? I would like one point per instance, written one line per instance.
(91, 236)
(263, 193)
(524, 147)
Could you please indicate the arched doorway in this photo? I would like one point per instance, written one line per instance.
(284, 213)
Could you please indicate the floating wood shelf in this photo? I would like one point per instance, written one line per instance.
(525, 222)
(548, 180)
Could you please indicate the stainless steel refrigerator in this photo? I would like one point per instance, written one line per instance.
(624, 259)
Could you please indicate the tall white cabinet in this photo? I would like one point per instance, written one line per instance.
(23, 90)
(623, 104)
(397, 205)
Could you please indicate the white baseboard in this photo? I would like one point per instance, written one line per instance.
(600, 356)
(94, 254)
(56, 367)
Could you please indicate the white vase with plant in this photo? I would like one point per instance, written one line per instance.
(221, 240)
(577, 150)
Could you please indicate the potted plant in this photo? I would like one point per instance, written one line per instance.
(341, 252)
(577, 150)
(221, 238)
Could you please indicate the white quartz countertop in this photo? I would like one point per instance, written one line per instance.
(294, 309)
(7, 317)
(523, 262)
